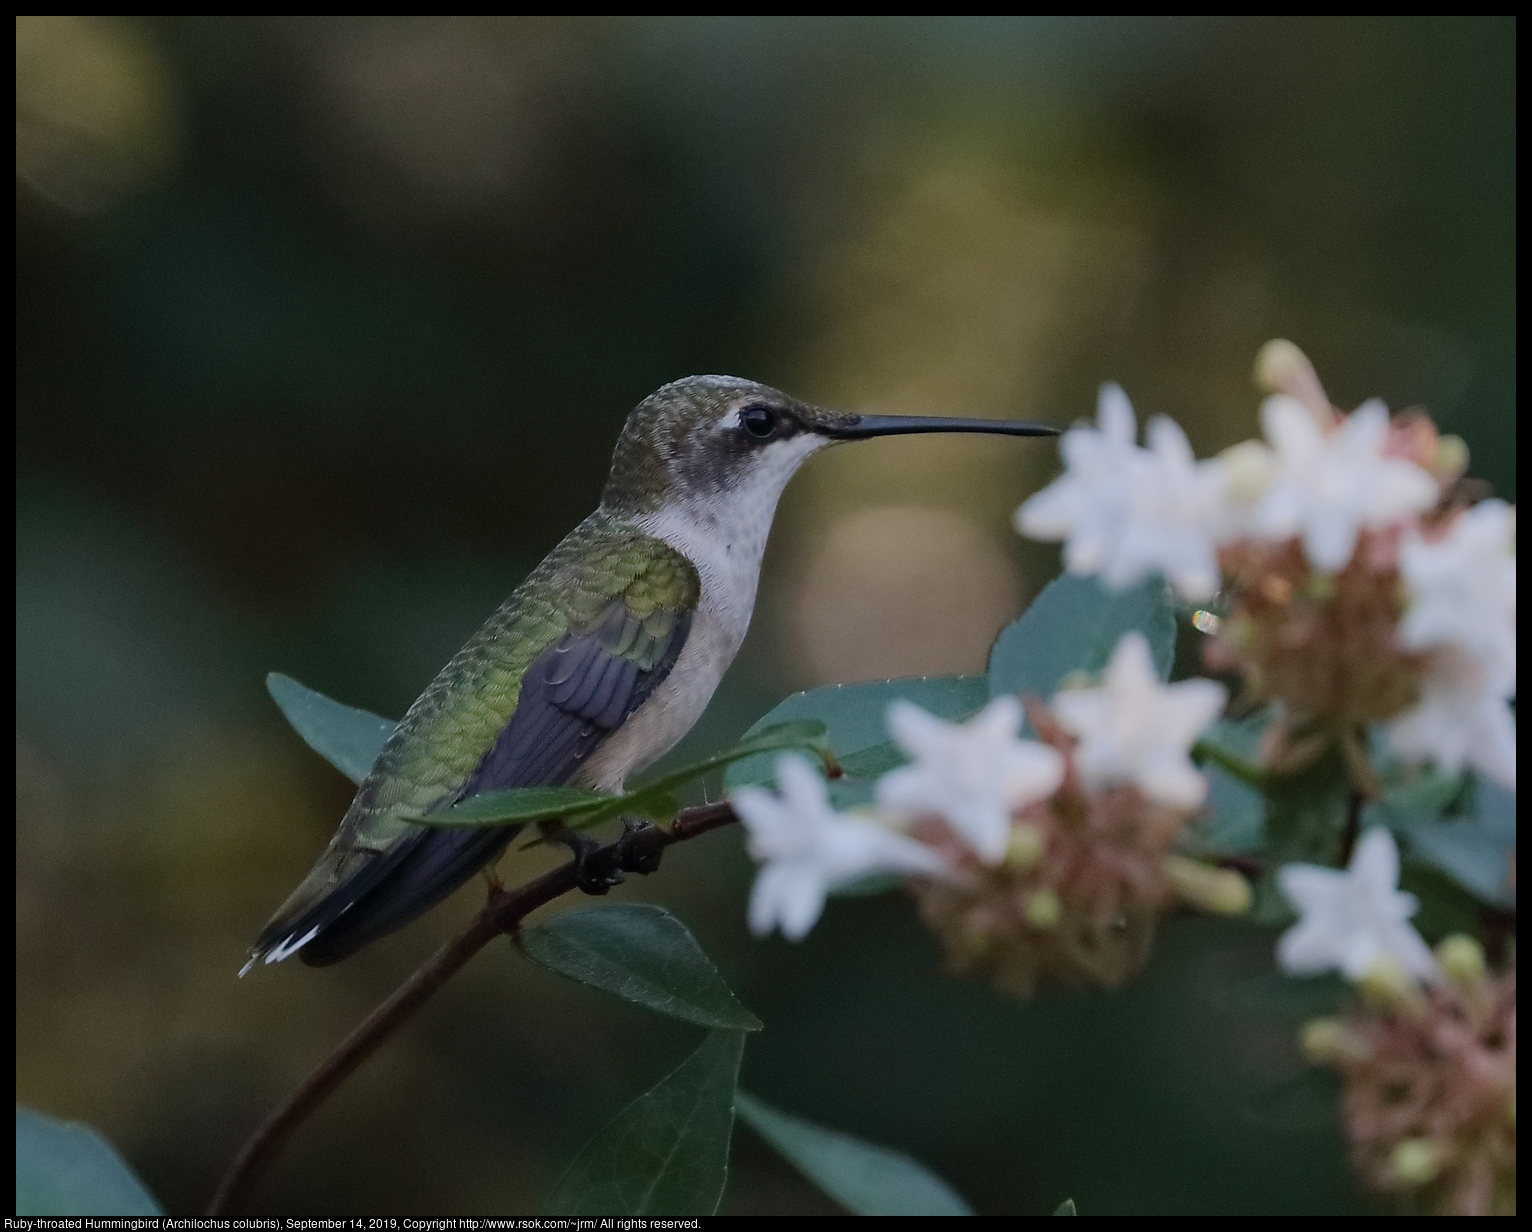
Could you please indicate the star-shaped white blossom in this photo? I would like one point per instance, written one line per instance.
(1463, 719)
(1327, 487)
(809, 849)
(1136, 731)
(1352, 919)
(974, 774)
(1126, 511)
(1462, 588)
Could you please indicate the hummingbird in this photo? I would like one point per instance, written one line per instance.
(595, 666)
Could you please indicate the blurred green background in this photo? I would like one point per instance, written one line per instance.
(325, 328)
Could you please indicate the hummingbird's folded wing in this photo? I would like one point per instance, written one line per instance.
(577, 692)
(572, 695)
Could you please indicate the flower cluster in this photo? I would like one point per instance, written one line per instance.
(1364, 592)
(1427, 1062)
(1429, 1084)
(1052, 856)
(1359, 587)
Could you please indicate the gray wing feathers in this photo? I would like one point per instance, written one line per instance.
(573, 695)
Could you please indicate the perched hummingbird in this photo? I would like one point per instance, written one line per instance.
(597, 664)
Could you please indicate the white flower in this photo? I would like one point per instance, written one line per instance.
(1462, 719)
(1135, 730)
(1354, 919)
(1125, 511)
(809, 849)
(1463, 588)
(975, 774)
(1329, 486)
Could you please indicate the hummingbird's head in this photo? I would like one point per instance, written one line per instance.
(711, 442)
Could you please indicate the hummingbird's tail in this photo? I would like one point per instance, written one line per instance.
(386, 893)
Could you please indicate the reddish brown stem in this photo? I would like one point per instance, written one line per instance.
(502, 914)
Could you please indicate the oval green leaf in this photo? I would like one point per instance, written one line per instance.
(763, 741)
(347, 738)
(581, 808)
(1233, 816)
(865, 1179)
(641, 953)
(510, 804)
(853, 715)
(666, 1153)
(1477, 860)
(1474, 849)
(1073, 626)
(63, 1168)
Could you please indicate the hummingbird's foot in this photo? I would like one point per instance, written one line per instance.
(632, 856)
(492, 880)
(596, 871)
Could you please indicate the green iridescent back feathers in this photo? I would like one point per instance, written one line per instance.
(443, 736)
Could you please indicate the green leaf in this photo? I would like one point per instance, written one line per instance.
(63, 1168)
(1234, 746)
(350, 740)
(865, 1179)
(1234, 816)
(1468, 853)
(515, 804)
(642, 954)
(1474, 849)
(656, 806)
(1409, 787)
(1307, 1101)
(1495, 810)
(1066, 1207)
(1073, 626)
(853, 716)
(580, 808)
(666, 1153)
(1306, 812)
(762, 740)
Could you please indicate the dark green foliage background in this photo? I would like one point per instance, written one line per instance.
(262, 428)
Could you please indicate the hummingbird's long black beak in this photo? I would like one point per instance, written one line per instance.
(861, 427)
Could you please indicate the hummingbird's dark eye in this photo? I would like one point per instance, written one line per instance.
(759, 421)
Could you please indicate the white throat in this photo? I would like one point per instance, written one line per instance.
(724, 535)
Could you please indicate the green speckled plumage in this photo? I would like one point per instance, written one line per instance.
(442, 738)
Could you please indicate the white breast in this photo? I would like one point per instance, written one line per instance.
(724, 535)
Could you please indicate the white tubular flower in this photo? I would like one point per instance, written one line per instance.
(809, 849)
(1462, 719)
(1355, 919)
(975, 774)
(1125, 511)
(1462, 588)
(1328, 487)
(1136, 731)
